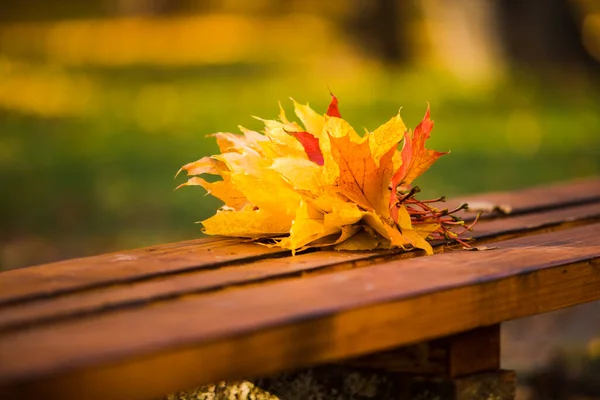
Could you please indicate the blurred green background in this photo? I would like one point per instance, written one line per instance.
(101, 102)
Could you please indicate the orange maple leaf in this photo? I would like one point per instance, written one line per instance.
(416, 159)
(360, 179)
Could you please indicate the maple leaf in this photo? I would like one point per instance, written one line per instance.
(320, 184)
(311, 146)
(333, 110)
(224, 190)
(360, 178)
(314, 123)
(416, 159)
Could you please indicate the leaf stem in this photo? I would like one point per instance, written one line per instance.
(422, 212)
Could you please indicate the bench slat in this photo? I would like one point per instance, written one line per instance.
(135, 294)
(129, 266)
(260, 330)
(108, 269)
(539, 198)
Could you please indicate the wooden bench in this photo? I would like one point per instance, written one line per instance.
(139, 324)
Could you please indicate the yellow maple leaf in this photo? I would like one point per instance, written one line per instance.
(360, 179)
(320, 184)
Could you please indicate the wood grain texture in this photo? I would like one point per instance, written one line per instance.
(102, 299)
(269, 328)
(134, 265)
(126, 266)
(538, 198)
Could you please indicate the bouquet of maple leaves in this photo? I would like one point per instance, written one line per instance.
(323, 185)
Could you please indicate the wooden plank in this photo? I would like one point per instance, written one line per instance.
(37, 312)
(521, 224)
(133, 265)
(537, 198)
(265, 329)
(161, 288)
(107, 269)
(102, 299)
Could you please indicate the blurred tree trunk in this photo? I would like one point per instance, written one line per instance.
(381, 27)
(386, 23)
(542, 34)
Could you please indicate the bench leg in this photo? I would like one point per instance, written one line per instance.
(465, 366)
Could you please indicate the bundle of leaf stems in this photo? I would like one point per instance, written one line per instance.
(422, 213)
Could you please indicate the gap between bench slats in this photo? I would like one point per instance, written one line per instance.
(161, 288)
(129, 266)
(258, 330)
